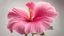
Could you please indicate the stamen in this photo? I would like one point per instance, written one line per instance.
(30, 10)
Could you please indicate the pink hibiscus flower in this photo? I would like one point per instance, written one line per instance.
(38, 21)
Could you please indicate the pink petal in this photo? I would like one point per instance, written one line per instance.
(10, 25)
(44, 10)
(20, 27)
(27, 28)
(16, 22)
(17, 13)
(34, 27)
(17, 25)
(45, 23)
(45, 14)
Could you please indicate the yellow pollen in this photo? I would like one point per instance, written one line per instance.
(30, 10)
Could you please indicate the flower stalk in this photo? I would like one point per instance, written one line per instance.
(25, 34)
(42, 34)
(32, 34)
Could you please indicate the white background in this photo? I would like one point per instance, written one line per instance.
(6, 5)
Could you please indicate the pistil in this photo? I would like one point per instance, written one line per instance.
(30, 10)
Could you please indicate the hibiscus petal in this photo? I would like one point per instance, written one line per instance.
(27, 28)
(45, 24)
(16, 24)
(20, 27)
(45, 13)
(10, 25)
(43, 9)
(17, 13)
(34, 27)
